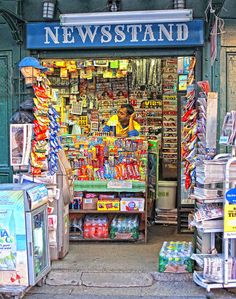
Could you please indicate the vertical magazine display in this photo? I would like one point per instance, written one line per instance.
(216, 215)
(198, 141)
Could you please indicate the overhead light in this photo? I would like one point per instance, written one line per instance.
(179, 4)
(49, 9)
(113, 5)
(127, 17)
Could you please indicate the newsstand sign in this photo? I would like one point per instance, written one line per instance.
(54, 36)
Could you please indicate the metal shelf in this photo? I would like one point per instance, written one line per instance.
(210, 230)
(207, 200)
(198, 279)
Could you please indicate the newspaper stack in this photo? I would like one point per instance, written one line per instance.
(213, 267)
(211, 171)
(166, 216)
(205, 193)
(208, 212)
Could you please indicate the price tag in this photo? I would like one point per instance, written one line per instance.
(119, 185)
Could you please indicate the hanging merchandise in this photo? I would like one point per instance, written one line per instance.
(189, 139)
(199, 119)
(44, 145)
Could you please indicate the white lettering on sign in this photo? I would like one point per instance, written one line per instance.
(163, 30)
(134, 32)
(87, 32)
(148, 32)
(53, 35)
(182, 32)
(120, 33)
(67, 35)
(106, 34)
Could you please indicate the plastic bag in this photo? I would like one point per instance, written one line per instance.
(22, 117)
(27, 104)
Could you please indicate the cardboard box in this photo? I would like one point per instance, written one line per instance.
(132, 204)
(108, 205)
(90, 203)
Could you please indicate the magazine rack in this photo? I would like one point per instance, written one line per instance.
(227, 260)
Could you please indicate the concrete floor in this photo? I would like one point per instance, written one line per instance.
(120, 270)
(120, 256)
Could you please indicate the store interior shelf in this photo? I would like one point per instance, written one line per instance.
(104, 212)
(77, 237)
(101, 186)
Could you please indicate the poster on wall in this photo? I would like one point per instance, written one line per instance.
(20, 144)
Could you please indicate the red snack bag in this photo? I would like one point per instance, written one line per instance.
(35, 171)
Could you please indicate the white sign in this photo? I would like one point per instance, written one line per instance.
(119, 185)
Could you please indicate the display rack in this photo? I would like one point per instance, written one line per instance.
(102, 186)
(224, 276)
(110, 183)
(169, 138)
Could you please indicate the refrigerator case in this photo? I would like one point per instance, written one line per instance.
(37, 245)
(60, 191)
(17, 219)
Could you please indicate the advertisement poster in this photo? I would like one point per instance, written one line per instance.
(183, 82)
(13, 248)
(230, 221)
(20, 136)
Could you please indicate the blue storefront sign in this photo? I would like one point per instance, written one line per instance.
(55, 36)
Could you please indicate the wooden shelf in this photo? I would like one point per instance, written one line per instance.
(75, 236)
(132, 186)
(104, 212)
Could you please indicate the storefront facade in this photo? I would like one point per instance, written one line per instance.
(56, 42)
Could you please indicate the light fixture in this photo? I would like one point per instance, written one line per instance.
(179, 4)
(49, 9)
(127, 17)
(113, 5)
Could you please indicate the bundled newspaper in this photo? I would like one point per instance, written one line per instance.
(213, 171)
(213, 267)
(208, 212)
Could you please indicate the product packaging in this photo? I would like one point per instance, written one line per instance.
(90, 203)
(111, 205)
(132, 204)
(125, 227)
(175, 257)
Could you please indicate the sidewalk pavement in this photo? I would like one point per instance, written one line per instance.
(70, 284)
(97, 270)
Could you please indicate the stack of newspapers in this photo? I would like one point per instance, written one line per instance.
(213, 171)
